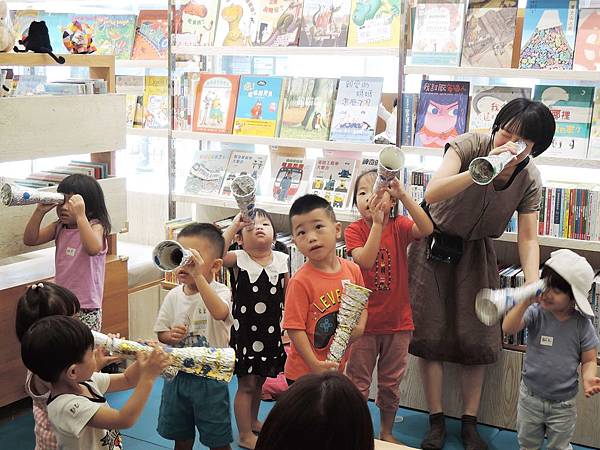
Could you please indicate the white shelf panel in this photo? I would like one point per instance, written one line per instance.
(286, 142)
(423, 151)
(284, 51)
(141, 64)
(567, 75)
(550, 241)
(150, 132)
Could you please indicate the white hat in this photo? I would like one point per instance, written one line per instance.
(577, 272)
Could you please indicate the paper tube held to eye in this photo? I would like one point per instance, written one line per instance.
(391, 162)
(485, 168)
(492, 304)
(244, 192)
(169, 255)
(19, 196)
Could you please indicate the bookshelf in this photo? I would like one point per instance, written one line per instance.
(284, 51)
(148, 132)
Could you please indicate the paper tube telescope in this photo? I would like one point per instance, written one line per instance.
(485, 168)
(391, 162)
(214, 363)
(169, 255)
(353, 303)
(244, 192)
(492, 304)
(19, 196)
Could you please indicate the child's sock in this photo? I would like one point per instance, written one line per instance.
(470, 436)
(437, 433)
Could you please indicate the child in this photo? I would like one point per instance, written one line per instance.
(79, 414)
(312, 299)
(196, 314)
(80, 234)
(559, 338)
(378, 245)
(258, 293)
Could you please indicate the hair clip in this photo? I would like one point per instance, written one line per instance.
(35, 286)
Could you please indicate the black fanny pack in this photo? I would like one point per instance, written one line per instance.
(442, 247)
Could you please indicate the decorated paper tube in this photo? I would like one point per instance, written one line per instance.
(492, 304)
(18, 196)
(208, 362)
(169, 255)
(391, 162)
(484, 169)
(244, 192)
(353, 303)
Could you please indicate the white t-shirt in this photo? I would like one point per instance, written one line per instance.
(204, 331)
(69, 415)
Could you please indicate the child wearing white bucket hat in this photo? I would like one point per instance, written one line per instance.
(560, 336)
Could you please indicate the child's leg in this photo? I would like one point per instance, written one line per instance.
(363, 355)
(393, 359)
(242, 406)
(184, 445)
(212, 414)
(530, 420)
(560, 424)
(257, 424)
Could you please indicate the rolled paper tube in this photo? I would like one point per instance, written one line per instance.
(19, 196)
(214, 363)
(244, 192)
(353, 302)
(169, 255)
(484, 169)
(391, 162)
(492, 304)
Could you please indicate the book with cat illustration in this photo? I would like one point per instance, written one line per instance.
(374, 23)
(325, 23)
(258, 107)
(215, 101)
(237, 23)
(279, 23)
(487, 101)
(242, 163)
(156, 114)
(196, 22)
(207, 172)
(151, 35)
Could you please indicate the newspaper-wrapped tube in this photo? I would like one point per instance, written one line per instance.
(214, 363)
(353, 303)
(169, 255)
(244, 192)
(19, 196)
(484, 169)
(492, 304)
(391, 162)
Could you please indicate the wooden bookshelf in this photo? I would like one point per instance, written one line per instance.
(284, 51)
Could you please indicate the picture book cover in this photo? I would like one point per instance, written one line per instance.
(289, 177)
(587, 43)
(242, 163)
(374, 23)
(196, 22)
(355, 113)
(258, 105)
(151, 35)
(156, 102)
(279, 23)
(325, 23)
(308, 108)
(441, 112)
(594, 145)
(22, 18)
(548, 34)
(207, 172)
(486, 102)
(237, 23)
(437, 35)
(571, 107)
(332, 179)
(489, 33)
(215, 101)
(366, 164)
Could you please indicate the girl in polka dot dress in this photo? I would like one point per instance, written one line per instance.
(259, 278)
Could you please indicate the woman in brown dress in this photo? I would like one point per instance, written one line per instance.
(443, 294)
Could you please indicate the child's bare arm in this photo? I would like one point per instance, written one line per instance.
(513, 321)
(300, 340)
(217, 308)
(92, 236)
(589, 373)
(230, 258)
(33, 235)
(423, 226)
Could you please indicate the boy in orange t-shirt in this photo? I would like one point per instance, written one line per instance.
(312, 298)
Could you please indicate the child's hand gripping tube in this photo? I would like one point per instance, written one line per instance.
(391, 162)
(244, 192)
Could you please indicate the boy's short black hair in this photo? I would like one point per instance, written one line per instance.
(308, 203)
(209, 232)
(43, 300)
(53, 343)
(555, 281)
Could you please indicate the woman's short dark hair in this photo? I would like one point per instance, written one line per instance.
(319, 412)
(528, 119)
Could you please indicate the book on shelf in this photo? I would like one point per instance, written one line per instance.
(410, 102)
(489, 33)
(366, 164)
(587, 42)
(100, 168)
(196, 22)
(279, 23)
(215, 102)
(133, 87)
(88, 85)
(374, 24)
(243, 163)
(549, 34)
(355, 112)
(184, 98)
(237, 23)
(487, 101)
(138, 113)
(325, 23)
(64, 89)
(441, 112)
(29, 84)
(438, 32)
(308, 108)
(207, 172)
(156, 114)
(289, 177)
(258, 109)
(151, 35)
(332, 179)
(571, 107)
(594, 144)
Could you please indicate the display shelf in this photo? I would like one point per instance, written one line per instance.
(284, 51)
(42, 59)
(153, 64)
(550, 241)
(149, 132)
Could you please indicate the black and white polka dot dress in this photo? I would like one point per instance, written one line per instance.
(258, 295)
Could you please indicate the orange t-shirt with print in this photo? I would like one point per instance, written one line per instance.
(312, 300)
